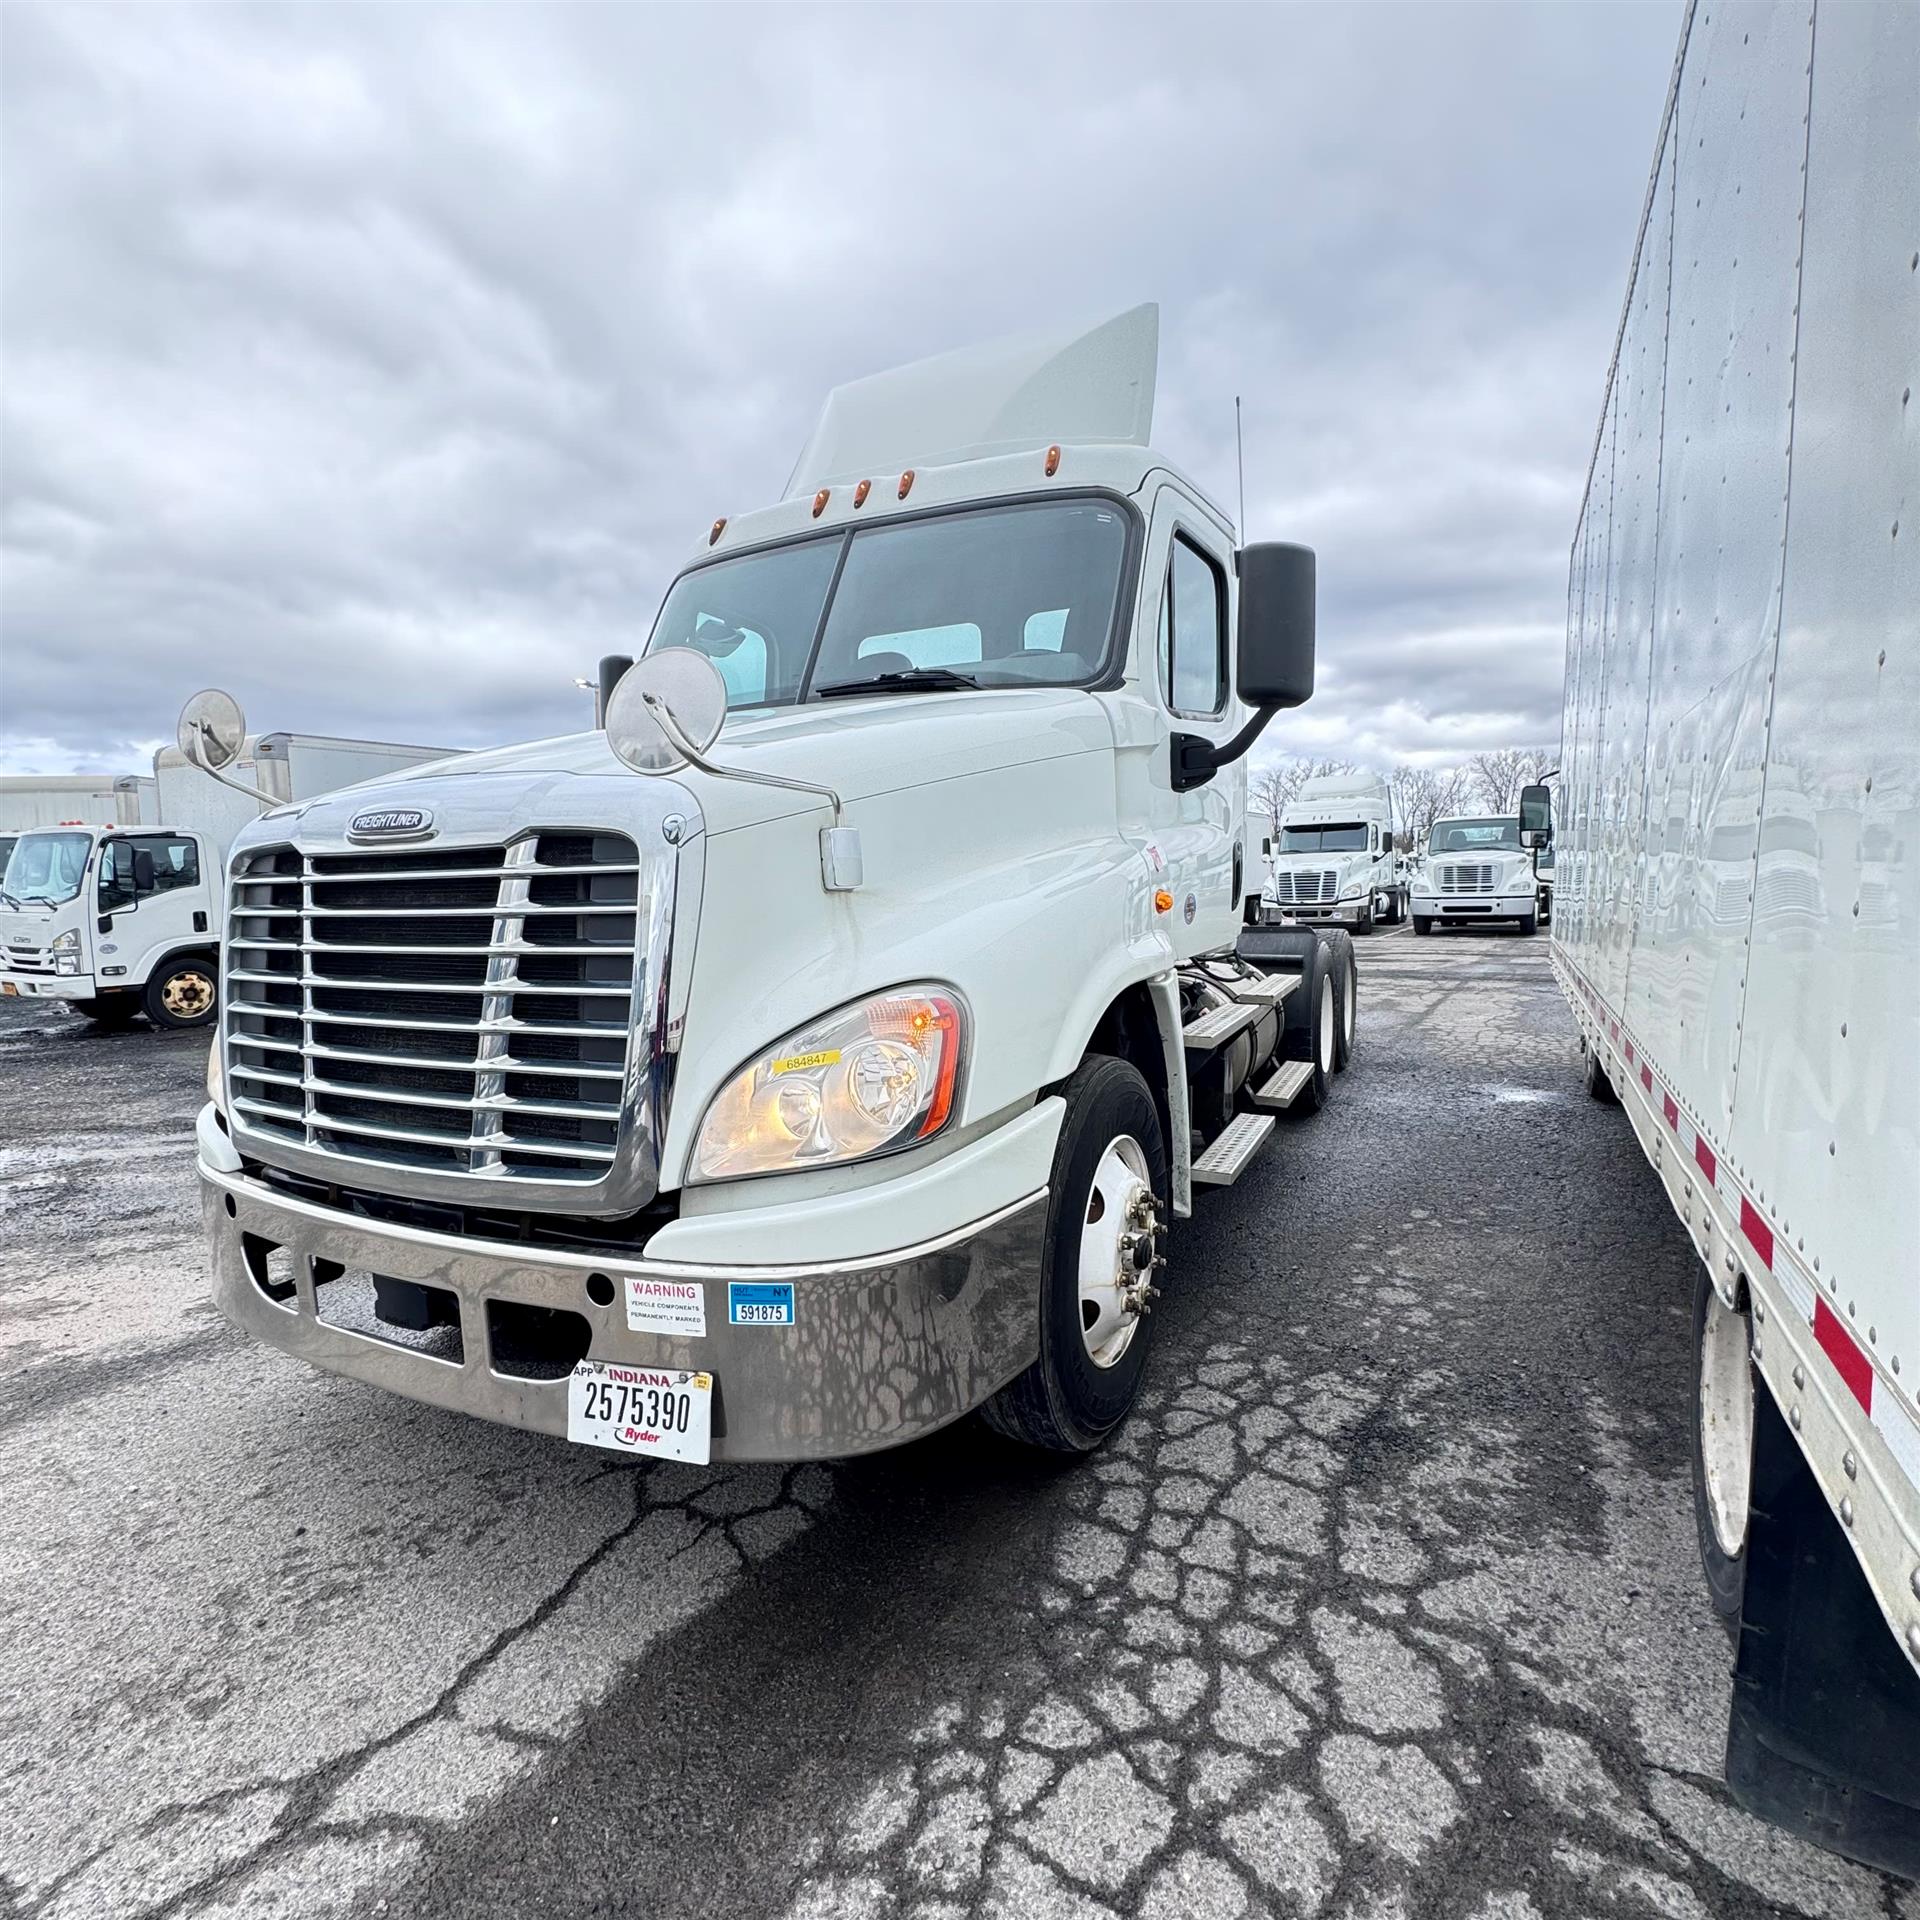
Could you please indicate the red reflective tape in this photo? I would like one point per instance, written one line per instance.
(1852, 1365)
(1671, 1111)
(1613, 1027)
(1629, 1053)
(1646, 1078)
(1759, 1234)
(1705, 1158)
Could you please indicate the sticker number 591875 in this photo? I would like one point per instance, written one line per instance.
(641, 1410)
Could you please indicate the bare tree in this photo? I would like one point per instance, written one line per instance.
(1422, 795)
(1275, 786)
(1497, 777)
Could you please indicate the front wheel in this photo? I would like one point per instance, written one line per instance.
(1423, 923)
(1529, 923)
(1722, 1446)
(1106, 1212)
(183, 993)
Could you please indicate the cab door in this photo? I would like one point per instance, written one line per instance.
(1184, 663)
(170, 912)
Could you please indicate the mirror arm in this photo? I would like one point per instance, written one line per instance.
(239, 786)
(1196, 761)
(663, 718)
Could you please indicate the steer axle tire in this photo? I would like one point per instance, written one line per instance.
(184, 992)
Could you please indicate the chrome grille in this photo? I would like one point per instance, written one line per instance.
(1465, 878)
(452, 1010)
(1293, 887)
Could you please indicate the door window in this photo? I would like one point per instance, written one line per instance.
(176, 864)
(1193, 634)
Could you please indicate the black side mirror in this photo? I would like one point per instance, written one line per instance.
(1536, 816)
(1273, 653)
(142, 871)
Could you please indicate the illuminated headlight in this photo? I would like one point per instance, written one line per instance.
(66, 951)
(876, 1076)
(216, 1078)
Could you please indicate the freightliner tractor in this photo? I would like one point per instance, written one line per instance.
(1737, 921)
(121, 916)
(1334, 860)
(1475, 871)
(821, 1049)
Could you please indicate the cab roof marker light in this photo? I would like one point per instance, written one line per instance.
(820, 500)
(861, 491)
(1053, 461)
(906, 484)
(719, 527)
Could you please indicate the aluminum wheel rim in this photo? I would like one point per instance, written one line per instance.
(1726, 1423)
(1324, 1026)
(187, 995)
(1110, 1283)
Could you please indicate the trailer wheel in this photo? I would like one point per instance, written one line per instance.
(184, 992)
(1346, 997)
(1106, 1214)
(1423, 923)
(1599, 1087)
(1722, 1446)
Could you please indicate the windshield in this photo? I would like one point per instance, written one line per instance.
(48, 866)
(1347, 837)
(1475, 836)
(996, 596)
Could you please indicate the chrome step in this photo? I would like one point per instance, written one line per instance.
(1262, 989)
(1226, 1159)
(1284, 1086)
(1216, 1028)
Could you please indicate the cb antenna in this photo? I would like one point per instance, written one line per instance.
(1240, 461)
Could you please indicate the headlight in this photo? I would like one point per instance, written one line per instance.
(66, 951)
(876, 1076)
(216, 1078)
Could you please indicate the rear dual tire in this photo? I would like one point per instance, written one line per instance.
(1312, 1031)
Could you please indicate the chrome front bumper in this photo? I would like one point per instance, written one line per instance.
(881, 1350)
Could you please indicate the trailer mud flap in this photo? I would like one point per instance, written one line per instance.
(1825, 1735)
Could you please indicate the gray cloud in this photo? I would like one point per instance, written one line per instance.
(384, 364)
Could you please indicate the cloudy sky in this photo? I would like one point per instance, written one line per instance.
(383, 363)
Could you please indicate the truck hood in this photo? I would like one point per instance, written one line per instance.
(858, 747)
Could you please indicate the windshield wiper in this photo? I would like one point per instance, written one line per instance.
(913, 680)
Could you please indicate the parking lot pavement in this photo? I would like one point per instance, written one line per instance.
(1386, 1604)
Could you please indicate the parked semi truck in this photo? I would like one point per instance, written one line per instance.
(1334, 862)
(821, 1050)
(120, 915)
(1474, 869)
(1737, 926)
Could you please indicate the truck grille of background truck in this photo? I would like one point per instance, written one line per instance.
(1305, 889)
(1465, 879)
(456, 1010)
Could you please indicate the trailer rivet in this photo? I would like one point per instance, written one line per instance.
(1896, 1363)
(1873, 1336)
(1846, 1511)
(1799, 1375)
(1913, 1640)
(1794, 1418)
(1913, 1580)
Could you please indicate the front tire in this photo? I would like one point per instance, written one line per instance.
(1722, 1446)
(1529, 923)
(1423, 924)
(183, 992)
(1106, 1208)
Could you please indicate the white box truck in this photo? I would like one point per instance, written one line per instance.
(118, 914)
(1334, 862)
(1737, 926)
(820, 1051)
(1473, 870)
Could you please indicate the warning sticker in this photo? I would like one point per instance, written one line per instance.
(677, 1307)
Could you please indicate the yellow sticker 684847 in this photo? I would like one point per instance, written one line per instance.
(796, 1062)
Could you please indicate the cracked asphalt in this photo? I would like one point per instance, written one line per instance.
(1385, 1603)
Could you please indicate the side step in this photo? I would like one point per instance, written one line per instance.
(1215, 1029)
(1262, 990)
(1226, 1159)
(1284, 1086)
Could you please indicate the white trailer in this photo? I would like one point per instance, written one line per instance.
(1737, 925)
(118, 912)
(1334, 861)
(47, 799)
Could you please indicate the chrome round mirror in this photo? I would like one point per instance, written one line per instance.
(688, 686)
(212, 729)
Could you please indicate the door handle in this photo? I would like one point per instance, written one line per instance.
(199, 921)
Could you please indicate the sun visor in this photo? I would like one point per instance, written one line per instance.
(1083, 389)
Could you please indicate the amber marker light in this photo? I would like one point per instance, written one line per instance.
(1163, 901)
(820, 500)
(1053, 461)
(906, 484)
(861, 491)
(719, 527)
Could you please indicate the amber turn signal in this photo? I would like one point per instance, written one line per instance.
(1163, 901)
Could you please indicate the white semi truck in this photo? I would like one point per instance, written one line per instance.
(1474, 870)
(823, 1049)
(1737, 926)
(120, 915)
(1334, 862)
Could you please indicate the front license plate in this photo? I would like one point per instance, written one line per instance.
(651, 1410)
